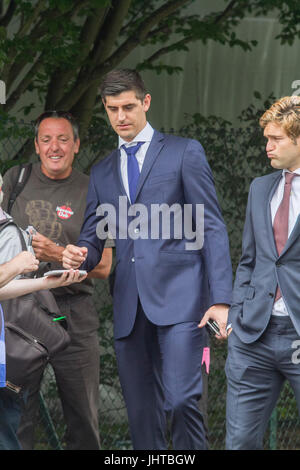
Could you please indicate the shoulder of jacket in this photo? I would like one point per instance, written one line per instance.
(105, 161)
(266, 178)
(183, 143)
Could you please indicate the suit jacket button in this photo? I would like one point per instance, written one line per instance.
(132, 259)
(271, 294)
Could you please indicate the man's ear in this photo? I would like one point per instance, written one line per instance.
(147, 102)
(77, 145)
(36, 145)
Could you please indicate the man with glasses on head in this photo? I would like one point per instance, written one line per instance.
(53, 202)
(14, 263)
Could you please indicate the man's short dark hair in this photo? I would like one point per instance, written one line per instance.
(119, 80)
(58, 115)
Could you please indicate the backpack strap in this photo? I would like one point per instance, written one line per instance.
(44, 265)
(4, 223)
(19, 184)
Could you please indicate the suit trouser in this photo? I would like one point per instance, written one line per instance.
(160, 375)
(77, 377)
(255, 374)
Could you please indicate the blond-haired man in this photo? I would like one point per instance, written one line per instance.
(265, 313)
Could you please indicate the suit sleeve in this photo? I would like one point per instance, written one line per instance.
(246, 264)
(88, 234)
(199, 189)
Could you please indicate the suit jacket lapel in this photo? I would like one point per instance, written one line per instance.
(293, 236)
(296, 230)
(154, 149)
(117, 173)
(270, 190)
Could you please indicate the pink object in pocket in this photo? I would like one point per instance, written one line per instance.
(206, 358)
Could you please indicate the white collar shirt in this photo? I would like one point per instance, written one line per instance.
(145, 135)
(279, 307)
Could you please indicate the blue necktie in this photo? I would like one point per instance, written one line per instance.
(133, 170)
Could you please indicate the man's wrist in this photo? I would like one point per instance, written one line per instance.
(59, 253)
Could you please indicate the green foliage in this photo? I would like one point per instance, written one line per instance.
(60, 49)
(12, 133)
(236, 155)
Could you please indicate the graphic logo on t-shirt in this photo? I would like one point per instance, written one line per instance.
(64, 212)
(43, 216)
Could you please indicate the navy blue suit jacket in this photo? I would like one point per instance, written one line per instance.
(173, 284)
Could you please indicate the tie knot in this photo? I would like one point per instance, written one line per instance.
(133, 149)
(289, 177)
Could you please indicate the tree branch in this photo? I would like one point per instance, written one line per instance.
(83, 110)
(137, 37)
(226, 12)
(24, 28)
(183, 42)
(164, 50)
(23, 85)
(60, 78)
(140, 34)
(106, 36)
(5, 19)
(83, 82)
(18, 63)
(110, 31)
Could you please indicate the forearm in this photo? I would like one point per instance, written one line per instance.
(46, 250)
(102, 270)
(18, 287)
(8, 271)
(55, 254)
(88, 237)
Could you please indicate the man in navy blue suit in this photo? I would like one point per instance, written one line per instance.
(165, 284)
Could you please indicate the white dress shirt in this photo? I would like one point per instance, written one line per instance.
(279, 307)
(145, 135)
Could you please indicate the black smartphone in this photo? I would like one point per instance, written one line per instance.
(213, 326)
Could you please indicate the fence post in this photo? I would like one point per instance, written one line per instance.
(50, 428)
(273, 430)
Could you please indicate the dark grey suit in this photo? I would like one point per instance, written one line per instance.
(261, 346)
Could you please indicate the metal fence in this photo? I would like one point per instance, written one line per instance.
(283, 431)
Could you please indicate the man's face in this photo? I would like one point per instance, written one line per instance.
(281, 150)
(127, 114)
(56, 147)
